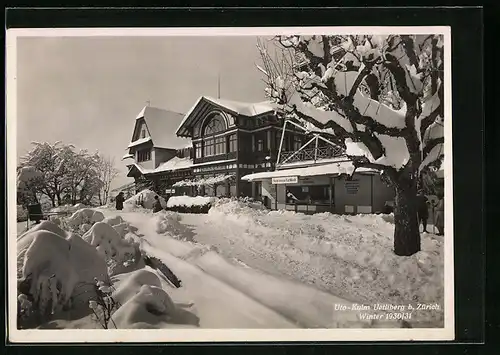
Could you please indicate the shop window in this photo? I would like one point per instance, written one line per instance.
(311, 195)
(233, 143)
(144, 155)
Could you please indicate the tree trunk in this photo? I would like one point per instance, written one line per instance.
(406, 231)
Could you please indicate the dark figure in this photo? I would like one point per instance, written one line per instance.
(422, 210)
(157, 205)
(119, 201)
(439, 215)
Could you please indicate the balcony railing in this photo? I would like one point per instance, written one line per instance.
(311, 154)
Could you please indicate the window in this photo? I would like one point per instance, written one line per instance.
(197, 147)
(143, 133)
(233, 143)
(208, 147)
(260, 139)
(220, 145)
(214, 125)
(144, 155)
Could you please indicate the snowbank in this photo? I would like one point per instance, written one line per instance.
(146, 199)
(169, 222)
(146, 305)
(188, 201)
(57, 268)
(83, 219)
(69, 208)
(349, 256)
(121, 253)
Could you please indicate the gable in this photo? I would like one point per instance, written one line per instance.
(160, 125)
(140, 130)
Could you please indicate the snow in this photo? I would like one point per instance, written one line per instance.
(127, 156)
(350, 256)
(326, 169)
(147, 198)
(139, 142)
(57, 266)
(241, 266)
(237, 107)
(319, 115)
(173, 164)
(204, 181)
(189, 201)
(357, 149)
(84, 216)
(396, 151)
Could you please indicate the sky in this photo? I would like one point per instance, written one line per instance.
(88, 90)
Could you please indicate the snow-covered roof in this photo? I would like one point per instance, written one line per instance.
(344, 167)
(139, 142)
(173, 164)
(127, 156)
(161, 125)
(236, 107)
(204, 181)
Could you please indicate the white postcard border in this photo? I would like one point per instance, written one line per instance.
(223, 335)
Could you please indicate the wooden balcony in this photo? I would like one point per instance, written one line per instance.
(310, 155)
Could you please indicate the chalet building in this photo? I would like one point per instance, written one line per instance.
(228, 148)
(156, 157)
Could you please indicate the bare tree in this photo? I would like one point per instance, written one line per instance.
(107, 172)
(380, 98)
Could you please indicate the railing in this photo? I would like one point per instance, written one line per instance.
(310, 154)
(223, 156)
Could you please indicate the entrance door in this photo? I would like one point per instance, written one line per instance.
(257, 192)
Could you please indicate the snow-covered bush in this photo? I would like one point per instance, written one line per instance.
(121, 254)
(169, 222)
(188, 204)
(145, 199)
(103, 305)
(146, 305)
(55, 269)
(82, 218)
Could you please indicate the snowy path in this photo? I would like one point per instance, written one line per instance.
(230, 295)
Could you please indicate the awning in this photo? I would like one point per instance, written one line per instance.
(345, 167)
(127, 156)
(204, 181)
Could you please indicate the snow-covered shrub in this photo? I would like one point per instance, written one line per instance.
(103, 305)
(55, 270)
(146, 305)
(120, 253)
(169, 222)
(145, 199)
(84, 216)
(188, 204)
